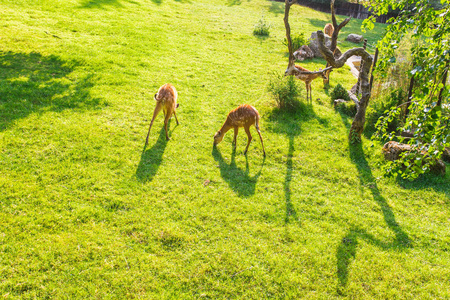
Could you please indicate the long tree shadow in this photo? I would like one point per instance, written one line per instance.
(346, 252)
(31, 82)
(290, 210)
(289, 123)
(151, 158)
(347, 249)
(367, 179)
(239, 180)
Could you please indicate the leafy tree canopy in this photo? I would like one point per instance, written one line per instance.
(428, 119)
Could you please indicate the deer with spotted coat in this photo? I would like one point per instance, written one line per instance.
(305, 75)
(242, 116)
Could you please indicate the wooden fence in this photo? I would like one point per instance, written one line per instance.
(353, 10)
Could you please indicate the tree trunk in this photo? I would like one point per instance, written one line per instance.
(373, 67)
(444, 81)
(288, 28)
(410, 91)
(358, 83)
(360, 117)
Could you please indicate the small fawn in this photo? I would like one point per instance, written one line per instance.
(328, 29)
(166, 99)
(242, 116)
(307, 78)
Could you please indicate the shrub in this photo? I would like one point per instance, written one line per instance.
(339, 93)
(261, 28)
(285, 91)
(347, 108)
(297, 41)
(377, 108)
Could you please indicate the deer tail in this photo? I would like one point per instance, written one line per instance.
(257, 122)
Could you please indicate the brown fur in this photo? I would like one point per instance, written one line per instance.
(166, 99)
(328, 29)
(242, 116)
(307, 78)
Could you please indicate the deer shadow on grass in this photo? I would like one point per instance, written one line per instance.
(289, 123)
(34, 83)
(151, 158)
(238, 179)
(347, 249)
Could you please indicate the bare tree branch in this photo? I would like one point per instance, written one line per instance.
(334, 36)
(337, 27)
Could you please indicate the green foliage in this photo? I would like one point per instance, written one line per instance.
(285, 91)
(298, 40)
(430, 59)
(339, 92)
(431, 133)
(381, 106)
(261, 28)
(347, 108)
(354, 137)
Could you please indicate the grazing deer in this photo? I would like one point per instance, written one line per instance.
(328, 29)
(305, 75)
(166, 99)
(242, 116)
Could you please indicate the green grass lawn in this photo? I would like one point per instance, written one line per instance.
(88, 212)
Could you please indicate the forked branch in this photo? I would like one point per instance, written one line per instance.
(338, 63)
(337, 27)
(334, 35)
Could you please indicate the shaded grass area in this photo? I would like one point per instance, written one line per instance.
(89, 212)
(31, 82)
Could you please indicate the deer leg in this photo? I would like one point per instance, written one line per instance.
(174, 113)
(310, 92)
(236, 129)
(307, 92)
(247, 131)
(166, 121)
(155, 113)
(262, 144)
